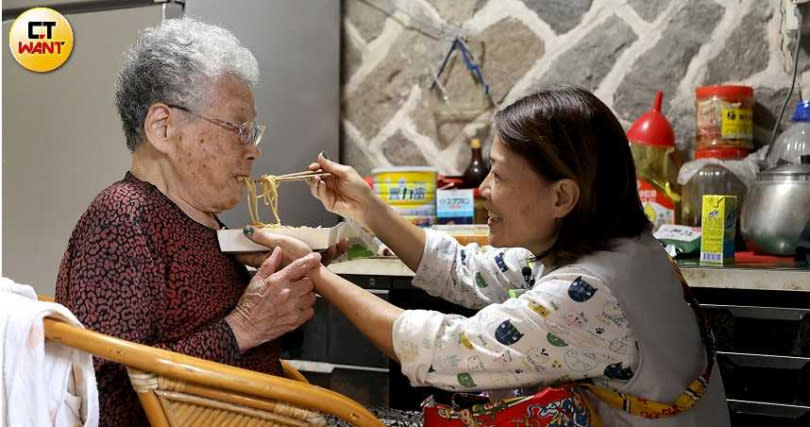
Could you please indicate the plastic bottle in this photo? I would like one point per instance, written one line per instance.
(652, 143)
(794, 141)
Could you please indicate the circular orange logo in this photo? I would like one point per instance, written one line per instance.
(41, 39)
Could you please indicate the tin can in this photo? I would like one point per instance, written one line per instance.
(411, 191)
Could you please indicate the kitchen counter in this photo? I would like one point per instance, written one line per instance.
(762, 334)
(759, 277)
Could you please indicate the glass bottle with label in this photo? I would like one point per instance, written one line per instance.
(477, 170)
(473, 176)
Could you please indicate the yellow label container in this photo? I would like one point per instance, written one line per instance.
(737, 123)
(719, 221)
(406, 185)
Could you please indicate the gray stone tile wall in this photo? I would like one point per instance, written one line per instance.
(623, 50)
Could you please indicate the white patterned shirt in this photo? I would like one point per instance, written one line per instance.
(564, 325)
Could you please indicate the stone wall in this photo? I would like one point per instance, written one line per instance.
(623, 50)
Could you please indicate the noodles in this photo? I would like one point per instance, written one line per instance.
(269, 192)
(270, 195)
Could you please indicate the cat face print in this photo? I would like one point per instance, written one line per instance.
(507, 333)
(527, 275)
(500, 262)
(580, 290)
(617, 371)
(465, 380)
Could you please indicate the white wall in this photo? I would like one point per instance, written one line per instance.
(62, 141)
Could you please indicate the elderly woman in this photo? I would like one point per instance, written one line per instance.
(143, 262)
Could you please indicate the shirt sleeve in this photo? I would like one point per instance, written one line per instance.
(567, 327)
(472, 276)
(114, 285)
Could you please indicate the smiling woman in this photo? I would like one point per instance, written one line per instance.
(573, 290)
(570, 138)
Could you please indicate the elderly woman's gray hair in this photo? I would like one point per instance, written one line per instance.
(176, 63)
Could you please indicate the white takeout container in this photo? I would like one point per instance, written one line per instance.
(234, 241)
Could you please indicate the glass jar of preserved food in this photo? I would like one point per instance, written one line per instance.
(711, 179)
(724, 117)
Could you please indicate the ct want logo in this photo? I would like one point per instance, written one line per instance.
(41, 39)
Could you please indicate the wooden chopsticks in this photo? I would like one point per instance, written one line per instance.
(300, 176)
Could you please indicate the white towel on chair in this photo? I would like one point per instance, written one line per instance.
(41, 383)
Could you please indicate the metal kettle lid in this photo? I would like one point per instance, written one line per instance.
(799, 171)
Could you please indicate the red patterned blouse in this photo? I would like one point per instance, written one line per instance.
(138, 268)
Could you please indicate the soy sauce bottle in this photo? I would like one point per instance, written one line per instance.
(473, 176)
(477, 170)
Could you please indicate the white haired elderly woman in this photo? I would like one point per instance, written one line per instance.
(143, 262)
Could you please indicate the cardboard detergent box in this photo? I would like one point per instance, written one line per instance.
(719, 224)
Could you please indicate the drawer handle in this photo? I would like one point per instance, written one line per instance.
(765, 313)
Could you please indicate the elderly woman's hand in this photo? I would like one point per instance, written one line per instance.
(293, 248)
(275, 302)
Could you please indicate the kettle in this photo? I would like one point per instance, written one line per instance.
(777, 208)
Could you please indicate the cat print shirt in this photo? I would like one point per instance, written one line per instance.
(532, 328)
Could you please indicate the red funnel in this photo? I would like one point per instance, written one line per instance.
(652, 128)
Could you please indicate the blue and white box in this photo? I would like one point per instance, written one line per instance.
(455, 206)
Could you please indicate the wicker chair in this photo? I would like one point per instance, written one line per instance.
(179, 390)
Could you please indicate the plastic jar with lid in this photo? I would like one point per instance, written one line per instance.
(724, 117)
(711, 179)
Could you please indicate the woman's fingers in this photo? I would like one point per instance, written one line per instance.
(298, 268)
(313, 184)
(270, 265)
(336, 169)
(307, 300)
(300, 288)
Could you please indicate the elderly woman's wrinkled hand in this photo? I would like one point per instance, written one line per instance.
(276, 301)
(293, 248)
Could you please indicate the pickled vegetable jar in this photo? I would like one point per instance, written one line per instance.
(724, 117)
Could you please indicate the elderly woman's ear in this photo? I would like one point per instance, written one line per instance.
(158, 126)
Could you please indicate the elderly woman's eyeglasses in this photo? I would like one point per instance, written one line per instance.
(249, 132)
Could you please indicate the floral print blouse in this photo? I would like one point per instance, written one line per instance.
(534, 328)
